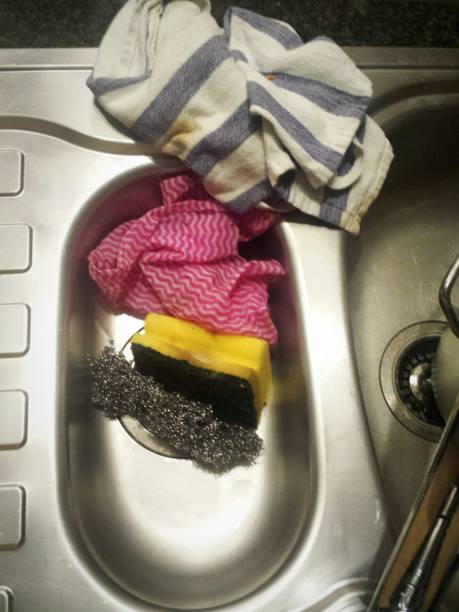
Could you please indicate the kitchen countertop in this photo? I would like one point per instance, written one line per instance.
(403, 23)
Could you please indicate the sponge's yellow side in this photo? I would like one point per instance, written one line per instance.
(241, 356)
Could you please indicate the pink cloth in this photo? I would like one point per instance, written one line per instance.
(182, 259)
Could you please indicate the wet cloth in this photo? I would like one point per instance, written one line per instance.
(255, 112)
(182, 259)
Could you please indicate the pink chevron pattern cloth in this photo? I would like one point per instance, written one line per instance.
(182, 259)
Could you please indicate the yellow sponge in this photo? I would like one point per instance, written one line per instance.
(231, 371)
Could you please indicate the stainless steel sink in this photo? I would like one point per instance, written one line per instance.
(89, 518)
(185, 538)
(395, 267)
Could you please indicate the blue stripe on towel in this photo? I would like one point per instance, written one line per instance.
(320, 152)
(238, 55)
(255, 194)
(334, 201)
(182, 86)
(220, 143)
(287, 37)
(327, 97)
(103, 85)
(331, 209)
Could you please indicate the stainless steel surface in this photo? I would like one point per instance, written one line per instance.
(14, 329)
(122, 528)
(12, 516)
(11, 169)
(13, 419)
(15, 242)
(388, 377)
(446, 290)
(6, 599)
(194, 540)
(395, 266)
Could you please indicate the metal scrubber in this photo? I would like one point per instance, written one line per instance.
(188, 426)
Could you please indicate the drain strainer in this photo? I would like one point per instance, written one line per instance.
(405, 375)
(414, 380)
(146, 439)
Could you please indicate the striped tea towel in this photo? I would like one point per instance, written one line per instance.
(255, 112)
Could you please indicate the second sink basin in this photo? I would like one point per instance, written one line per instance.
(395, 267)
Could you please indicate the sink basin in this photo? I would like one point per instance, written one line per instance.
(172, 533)
(395, 267)
(92, 518)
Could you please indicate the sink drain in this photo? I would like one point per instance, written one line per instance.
(405, 375)
(414, 380)
(146, 439)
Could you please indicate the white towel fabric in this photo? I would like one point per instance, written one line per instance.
(250, 108)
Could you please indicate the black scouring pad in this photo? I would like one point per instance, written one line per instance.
(231, 397)
(185, 424)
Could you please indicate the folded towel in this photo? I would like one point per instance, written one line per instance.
(182, 259)
(251, 109)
